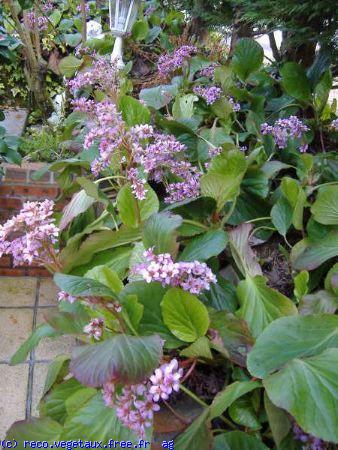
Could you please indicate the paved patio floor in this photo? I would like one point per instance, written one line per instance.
(23, 301)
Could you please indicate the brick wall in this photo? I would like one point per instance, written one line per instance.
(16, 187)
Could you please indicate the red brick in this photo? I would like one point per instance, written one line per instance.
(9, 272)
(45, 178)
(5, 261)
(5, 215)
(10, 203)
(28, 191)
(37, 272)
(18, 175)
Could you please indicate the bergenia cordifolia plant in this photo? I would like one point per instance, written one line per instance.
(31, 235)
(195, 263)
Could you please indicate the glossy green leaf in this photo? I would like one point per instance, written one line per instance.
(308, 254)
(233, 337)
(205, 246)
(307, 385)
(140, 30)
(183, 107)
(232, 392)
(237, 440)
(79, 203)
(260, 304)
(133, 112)
(54, 404)
(279, 421)
(55, 371)
(105, 426)
(185, 316)
(292, 337)
(318, 303)
(160, 232)
(69, 65)
(150, 295)
(41, 331)
(247, 57)
(44, 429)
(224, 177)
(295, 81)
(241, 251)
(82, 287)
(301, 281)
(127, 359)
(197, 436)
(325, 208)
(132, 211)
(243, 413)
(198, 349)
(106, 276)
(281, 215)
(221, 296)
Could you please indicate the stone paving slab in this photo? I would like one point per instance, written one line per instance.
(22, 303)
(15, 121)
(17, 292)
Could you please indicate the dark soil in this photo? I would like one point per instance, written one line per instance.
(275, 266)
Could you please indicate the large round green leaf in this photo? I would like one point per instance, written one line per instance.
(325, 208)
(225, 398)
(150, 295)
(292, 337)
(308, 389)
(260, 304)
(82, 287)
(185, 316)
(44, 429)
(160, 231)
(247, 57)
(295, 81)
(125, 359)
(133, 112)
(309, 254)
(237, 440)
(132, 211)
(205, 246)
(95, 421)
(197, 436)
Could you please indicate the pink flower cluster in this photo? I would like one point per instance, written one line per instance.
(235, 106)
(334, 124)
(102, 73)
(31, 235)
(209, 71)
(136, 404)
(35, 22)
(285, 129)
(209, 93)
(64, 296)
(173, 61)
(159, 154)
(94, 328)
(108, 129)
(193, 276)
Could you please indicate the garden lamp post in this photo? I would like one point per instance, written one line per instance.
(122, 14)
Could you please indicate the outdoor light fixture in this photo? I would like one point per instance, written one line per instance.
(122, 14)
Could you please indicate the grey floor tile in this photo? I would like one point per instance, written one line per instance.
(17, 291)
(48, 292)
(13, 393)
(49, 348)
(16, 327)
(39, 377)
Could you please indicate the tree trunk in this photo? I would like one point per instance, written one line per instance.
(239, 30)
(35, 65)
